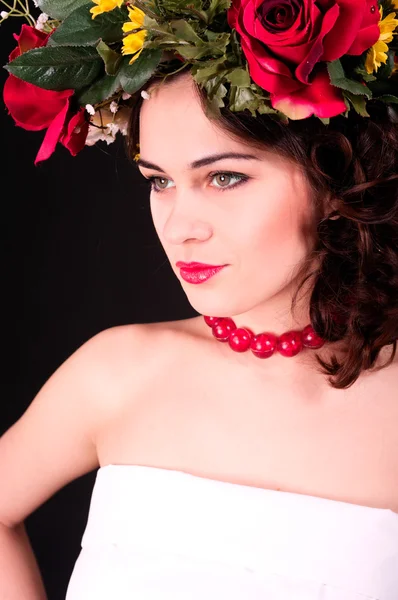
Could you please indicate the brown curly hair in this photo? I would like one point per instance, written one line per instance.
(351, 165)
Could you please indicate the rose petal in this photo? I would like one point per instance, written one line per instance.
(254, 23)
(53, 135)
(74, 138)
(269, 73)
(32, 107)
(370, 32)
(320, 98)
(306, 67)
(28, 38)
(232, 13)
(346, 29)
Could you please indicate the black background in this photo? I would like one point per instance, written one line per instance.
(79, 254)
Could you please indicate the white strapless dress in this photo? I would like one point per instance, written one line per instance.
(158, 534)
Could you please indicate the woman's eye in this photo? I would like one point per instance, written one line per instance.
(228, 176)
(224, 178)
(154, 186)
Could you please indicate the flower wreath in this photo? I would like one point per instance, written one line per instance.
(78, 62)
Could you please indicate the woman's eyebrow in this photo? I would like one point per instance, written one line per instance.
(201, 162)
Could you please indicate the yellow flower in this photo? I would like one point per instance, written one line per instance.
(133, 43)
(104, 6)
(377, 54)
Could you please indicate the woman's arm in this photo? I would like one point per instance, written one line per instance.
(19, 572)
(53, 443)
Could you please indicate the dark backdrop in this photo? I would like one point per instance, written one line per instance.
(78, 254)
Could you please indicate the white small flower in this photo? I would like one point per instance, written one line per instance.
(41, 20)
(126, 96)
(113, 107)
(145, 95)
(90, 109)
(113, 128)
(36, 3)
(123, 128)
(97, 134)
(4, 14)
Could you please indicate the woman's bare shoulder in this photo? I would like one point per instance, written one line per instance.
(54, 440)
(125, 356)
(116, 345)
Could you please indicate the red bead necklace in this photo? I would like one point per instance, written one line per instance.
(263, 345)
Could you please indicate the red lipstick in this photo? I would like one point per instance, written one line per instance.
(195, 272)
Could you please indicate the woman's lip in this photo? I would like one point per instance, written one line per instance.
(197, 265)
(199, 275)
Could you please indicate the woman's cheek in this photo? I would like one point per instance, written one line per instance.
(277, 233)
(159, 215)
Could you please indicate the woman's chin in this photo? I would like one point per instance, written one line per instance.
(216, 307)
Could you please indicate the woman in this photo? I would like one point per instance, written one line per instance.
(264, 466)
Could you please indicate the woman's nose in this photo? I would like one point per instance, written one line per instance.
(185, 223)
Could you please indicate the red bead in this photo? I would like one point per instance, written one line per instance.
(240, 339)
(223, 328)
(211, 321)
(264, 344)
(290, 344)
(311, 339)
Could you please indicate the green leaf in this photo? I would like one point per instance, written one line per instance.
(364, 74)
(183, 31)
(247, 98)
(386, 69)
(215, 92)
(216, 7)
(208, 69)
(239, 77)
(57, 68)
(265, 108)
(358, 102)
(80, 29)
(190, 11)
(111, 58)
(155, 27)
(214, 48)
(220, 94)
(388, 98)
(240, 99)
(339, 79)
(236, 49)
(100, 90)
(59, 9)
(132, 77)
(179, 5)
(348, 107)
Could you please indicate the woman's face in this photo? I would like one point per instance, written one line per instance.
(254, 221)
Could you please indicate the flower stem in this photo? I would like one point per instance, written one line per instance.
(13, 11)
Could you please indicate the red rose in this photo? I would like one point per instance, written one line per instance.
(284, 42)
(71, 132)
(35, 108)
